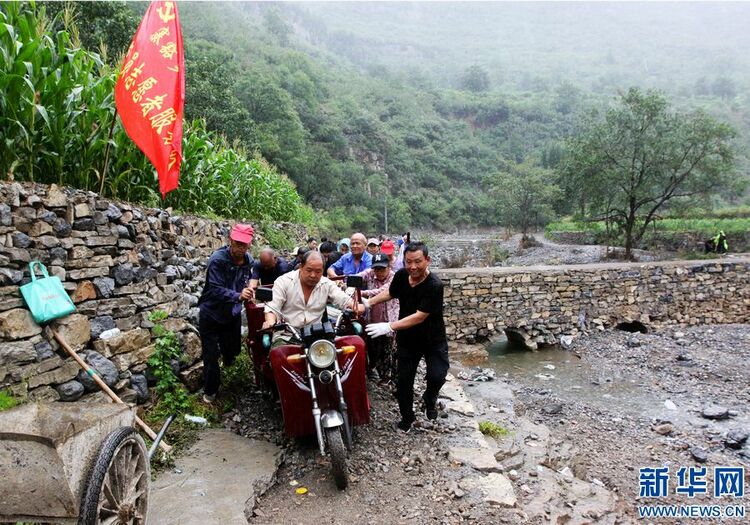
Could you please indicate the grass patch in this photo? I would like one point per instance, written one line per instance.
(706, 226)
(237, 377)
(697, 256)
(8, 400)
(488, 428)
(575, 226)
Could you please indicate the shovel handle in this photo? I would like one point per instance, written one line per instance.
(98, 380)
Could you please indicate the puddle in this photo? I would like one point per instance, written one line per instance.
(573, 379)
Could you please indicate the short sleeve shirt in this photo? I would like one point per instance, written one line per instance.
(425, 297)
(347, 265)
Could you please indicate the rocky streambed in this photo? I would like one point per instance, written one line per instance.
(615, 402)
(573, 428)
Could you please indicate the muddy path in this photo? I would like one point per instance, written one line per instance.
(577, 425)
(395, 477)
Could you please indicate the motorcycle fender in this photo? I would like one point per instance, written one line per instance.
(331, 418)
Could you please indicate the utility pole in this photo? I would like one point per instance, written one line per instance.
(385, 203)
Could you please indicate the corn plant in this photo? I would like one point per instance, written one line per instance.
(57, 118)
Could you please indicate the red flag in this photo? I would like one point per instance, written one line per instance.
(150, 92)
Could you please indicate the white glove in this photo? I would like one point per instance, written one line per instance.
(378, 329)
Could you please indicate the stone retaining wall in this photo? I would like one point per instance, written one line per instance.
(119, 263)
(543, 303)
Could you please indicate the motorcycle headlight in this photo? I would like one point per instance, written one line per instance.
(322, 353)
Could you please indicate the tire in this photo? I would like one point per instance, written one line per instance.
(338, 457)
(122, 459)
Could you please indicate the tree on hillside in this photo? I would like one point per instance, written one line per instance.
(277, 26)
(100, 25)
(627, 165)
(524, 196)
(211, 74)
(475, 79)
(724, 87)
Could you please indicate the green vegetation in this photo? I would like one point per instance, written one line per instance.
(703, 226)
(352, 107)
(628, 165)
(172, 397)
(488, 428)
(7, 400)
(57, 111)
(576, 226)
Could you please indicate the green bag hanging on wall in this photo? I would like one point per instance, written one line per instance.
(46, 297)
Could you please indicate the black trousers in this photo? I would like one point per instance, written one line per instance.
(223, 339)
(407, 362)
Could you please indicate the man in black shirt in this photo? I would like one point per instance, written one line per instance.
(420, 331)
(268, 268)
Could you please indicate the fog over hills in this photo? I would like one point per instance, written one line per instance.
(527, 45)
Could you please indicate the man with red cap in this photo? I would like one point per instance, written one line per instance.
(388, 248)
(227, 287)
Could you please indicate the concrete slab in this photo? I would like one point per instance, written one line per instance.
(220, 477)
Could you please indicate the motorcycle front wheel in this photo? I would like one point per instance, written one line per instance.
(338, 457)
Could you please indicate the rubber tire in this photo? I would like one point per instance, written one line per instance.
(338, 457)
(90, 501)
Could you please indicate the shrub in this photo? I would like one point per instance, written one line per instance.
(495, 254)
(171, 393)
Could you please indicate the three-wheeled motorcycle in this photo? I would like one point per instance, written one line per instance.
(319, 375)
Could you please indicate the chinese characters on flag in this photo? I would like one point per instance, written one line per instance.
(150, 91)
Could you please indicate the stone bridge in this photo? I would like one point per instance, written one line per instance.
(542, 303)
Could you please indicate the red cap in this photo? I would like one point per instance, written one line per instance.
(242, 233)
(387, 247)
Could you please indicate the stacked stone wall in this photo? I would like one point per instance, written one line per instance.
(118, 262)
(544, 303)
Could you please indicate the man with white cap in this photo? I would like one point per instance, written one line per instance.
(227, 287)
(373, 246)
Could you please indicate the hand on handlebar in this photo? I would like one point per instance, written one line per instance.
(267, 325)
(247, 294)
(360, 308)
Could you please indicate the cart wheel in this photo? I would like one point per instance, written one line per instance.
(338, 457)
(117, 489)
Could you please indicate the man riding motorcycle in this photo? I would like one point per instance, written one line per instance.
(301, 296)
(319, 374)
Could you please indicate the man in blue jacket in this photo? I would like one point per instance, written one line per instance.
(227, 287)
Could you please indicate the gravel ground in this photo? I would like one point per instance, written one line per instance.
(395, 477)
(574, 446)
(647, 400)
(483, 250)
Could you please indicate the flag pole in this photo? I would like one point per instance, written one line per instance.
(106, 152)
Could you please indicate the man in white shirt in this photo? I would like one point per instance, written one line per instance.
(301, 296)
